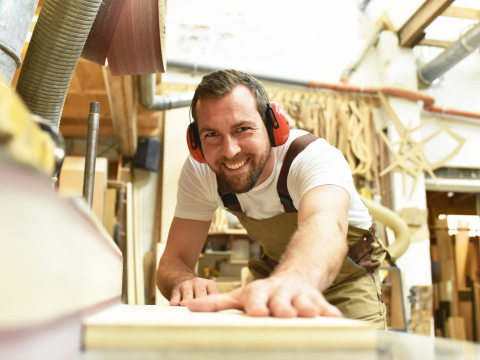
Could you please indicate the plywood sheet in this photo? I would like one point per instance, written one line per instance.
(165, 327)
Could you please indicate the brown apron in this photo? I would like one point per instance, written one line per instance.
(356, 290)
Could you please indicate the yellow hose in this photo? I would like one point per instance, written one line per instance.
(388, 218)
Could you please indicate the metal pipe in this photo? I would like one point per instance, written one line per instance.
(91, 154)
(361, 55)
(15, 19)
(206, 68)
(147, 90)
(150, 100)
(459, 50)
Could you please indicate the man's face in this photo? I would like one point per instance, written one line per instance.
(234, 139)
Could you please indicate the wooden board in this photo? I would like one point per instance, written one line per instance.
(110, 207)
(131, 289)
(456, 328)
(138, 252)
(413, 30)
(172, 327)
(71, 181)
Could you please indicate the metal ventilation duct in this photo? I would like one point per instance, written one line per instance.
(15, 19)
(459, 50)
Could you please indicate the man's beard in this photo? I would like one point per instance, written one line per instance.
(238, 184)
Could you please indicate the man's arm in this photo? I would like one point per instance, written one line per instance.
(309, 265)
(176, 277)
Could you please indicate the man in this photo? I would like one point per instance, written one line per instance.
(320, 260)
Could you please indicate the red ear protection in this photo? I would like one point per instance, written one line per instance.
(194, 145)
(277, 124)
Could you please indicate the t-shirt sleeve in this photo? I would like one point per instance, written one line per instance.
(319, 164)
(196, 192)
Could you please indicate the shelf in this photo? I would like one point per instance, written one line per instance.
(216, 253)
(229, 232)
(241, 262)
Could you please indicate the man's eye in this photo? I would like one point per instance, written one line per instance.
(210, 134)
(243, 128)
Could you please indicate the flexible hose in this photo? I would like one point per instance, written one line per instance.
(57, 42)
(388, 218)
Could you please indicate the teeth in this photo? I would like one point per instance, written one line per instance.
(235, 166)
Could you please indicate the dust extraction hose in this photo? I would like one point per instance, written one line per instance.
(57, 42)
(399, 227)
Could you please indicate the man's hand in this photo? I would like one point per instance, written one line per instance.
(192, 289)
(279, 296)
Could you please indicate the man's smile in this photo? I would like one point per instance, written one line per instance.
(235, 165)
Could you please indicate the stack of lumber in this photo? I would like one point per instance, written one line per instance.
(421, 310)
(455, 263)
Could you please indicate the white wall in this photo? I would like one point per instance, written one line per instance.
(176, 152)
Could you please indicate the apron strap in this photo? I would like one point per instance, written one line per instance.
(230, 200)
(296, 147)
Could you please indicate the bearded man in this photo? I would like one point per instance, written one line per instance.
(320, 253)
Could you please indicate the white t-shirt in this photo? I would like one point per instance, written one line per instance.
(318, 164)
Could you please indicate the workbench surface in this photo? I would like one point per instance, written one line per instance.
(153, 333)
(391, 346)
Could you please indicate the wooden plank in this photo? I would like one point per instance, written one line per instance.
(174, 327)
(476, 308)
(77, 127)
(413, 30)
(435, 43)
(110, 207)
(122, 98)
(466, 311)
(462, 13)
(137, 239)
(461, 251)
(396, 306)
(456, 328)
(131, 293)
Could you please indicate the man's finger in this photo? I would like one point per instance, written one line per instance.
(281, 305)
(255, 301)
(199, 290)
(187, 294)
(175, 298)
(305, 307)
(214, 303)
(212, 288)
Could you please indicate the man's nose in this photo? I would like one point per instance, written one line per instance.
(230, 147)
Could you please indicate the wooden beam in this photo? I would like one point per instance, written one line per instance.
(435, 43)
(413, 30)
(122, 97)
(77, 127)
(462, 13)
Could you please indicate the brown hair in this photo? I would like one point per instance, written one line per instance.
(217, 84)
